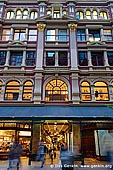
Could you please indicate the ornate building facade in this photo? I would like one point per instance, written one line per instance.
(54, 55)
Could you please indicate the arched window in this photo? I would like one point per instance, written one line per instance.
(95, 14)
(10, 15)
(103, 15)
(79, 15)
(27, 90)
(33, 14)
(101, 91)
(18, 14)
(56, 90)
(12, 90)
(0, 86)
(25, 14)
(88, 14)
(85, 91)
(49, 12)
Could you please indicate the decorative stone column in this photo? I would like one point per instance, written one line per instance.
(37, 88)
(89, 60)
(92, 92)
(101, 34)
(7, 60)
(75, 89)
(106, 60)
(40, 46)
(73, 46)
(23, 60)
(2, 92)
(56, 58)
(20, 92)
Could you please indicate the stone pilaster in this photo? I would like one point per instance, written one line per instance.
(7, 60)
(106, 60)
(89, 60)
(110, 92)
(20, 92)
(2, 92)
(92, 93)
(73, 46)
(40, 46)
(76, 138)
(23, 60)
(37, 88)
(75, 89)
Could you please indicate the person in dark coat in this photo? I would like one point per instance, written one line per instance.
(66, 157)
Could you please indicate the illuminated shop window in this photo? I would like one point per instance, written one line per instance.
(101, 91)
(18, 14)
(5, 34)
(25, 14)
(85, 91)
(33, 14)
(88, 14)
(79, 15)
(27, 90)
(103, 15)
(56, 90)
(12, 90)
(95, 14)
(10, 15)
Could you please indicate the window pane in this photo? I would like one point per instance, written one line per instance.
(110, 58)
(2, 57)
(32, 35)
(30, 58)
(81, 35)
(50, 58)
(5, 34)
(62, 58)
(50, 35)
(97, 59)
(62, 35)
(16, 58)
(19, 35)
(83, 61)
(27, 91)
(18, 14)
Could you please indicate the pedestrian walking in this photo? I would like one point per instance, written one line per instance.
(41, 153)
(14, 155)
(66, 157)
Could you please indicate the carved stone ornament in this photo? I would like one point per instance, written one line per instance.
(41, 27)
(72, 27)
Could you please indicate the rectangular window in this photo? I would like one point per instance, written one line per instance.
(50, 35)
(5, 34)
(50, 58)
(30, 58)
(16, 58)
(82, 58)
(62, 35)
(56, 13)
(97, 59)
(110, 58)
(32, 35)
(62, 58)
(108, 35)
(19, 34)
(2, 57)
(94, 35)
(81, 36)
(56, 34)
(41, 10)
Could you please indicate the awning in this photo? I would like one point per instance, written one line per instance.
(56, 111)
